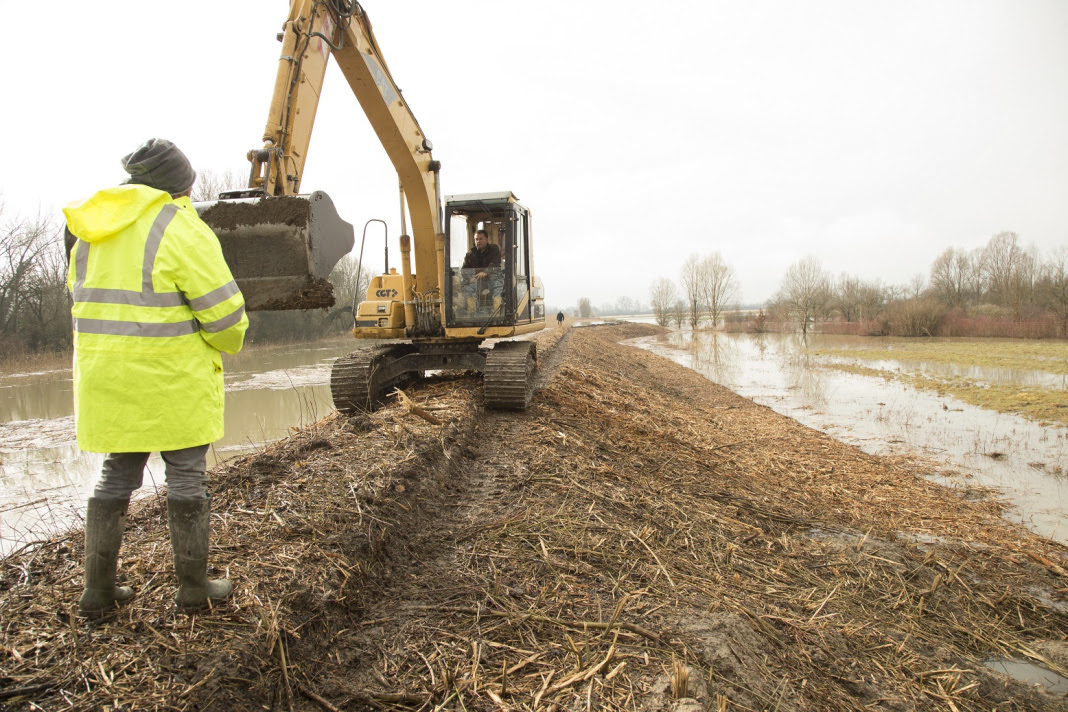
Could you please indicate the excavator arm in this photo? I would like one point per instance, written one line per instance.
(314, 31)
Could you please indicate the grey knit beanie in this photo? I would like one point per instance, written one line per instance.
(159, 164)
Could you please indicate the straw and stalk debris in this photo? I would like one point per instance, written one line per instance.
(639, 539)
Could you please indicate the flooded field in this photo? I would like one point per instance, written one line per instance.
(859, 400)
(44, 478)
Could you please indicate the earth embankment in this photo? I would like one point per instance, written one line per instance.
(639, 539)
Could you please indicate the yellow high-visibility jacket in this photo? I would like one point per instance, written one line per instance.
(154, 304)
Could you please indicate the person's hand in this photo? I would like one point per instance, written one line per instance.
(480, 275)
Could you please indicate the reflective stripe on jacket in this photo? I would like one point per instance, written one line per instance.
(154, 304)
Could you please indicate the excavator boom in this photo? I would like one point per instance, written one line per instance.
(282, 244)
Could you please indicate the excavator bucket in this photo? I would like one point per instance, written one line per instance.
(280, 249)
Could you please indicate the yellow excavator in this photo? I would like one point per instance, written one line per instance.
(281, 245)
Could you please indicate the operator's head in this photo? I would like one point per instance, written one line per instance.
(480, 239)
(159, 164)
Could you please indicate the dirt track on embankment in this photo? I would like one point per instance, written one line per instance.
(638, 539)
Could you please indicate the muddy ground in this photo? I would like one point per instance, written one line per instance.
(639, 539)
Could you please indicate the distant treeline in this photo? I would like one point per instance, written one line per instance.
(1001, 289)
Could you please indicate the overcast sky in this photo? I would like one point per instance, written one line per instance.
(871, 135)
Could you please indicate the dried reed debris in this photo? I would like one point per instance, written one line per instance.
(639, 539)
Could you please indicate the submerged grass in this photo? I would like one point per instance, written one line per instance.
(1045, 405)
(1018, 354)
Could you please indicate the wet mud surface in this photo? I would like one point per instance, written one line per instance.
(285, 210)
(639, 539)
(267, 244)
(315, 294)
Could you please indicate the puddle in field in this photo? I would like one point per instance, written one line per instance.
(45, 479)
(1025, 461)
(1030, 673)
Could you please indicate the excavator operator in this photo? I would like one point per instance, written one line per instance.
(482, 275)
(154, 305)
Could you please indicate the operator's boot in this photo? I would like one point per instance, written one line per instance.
(189, 525)
(496, 305)
(105, 520)
(471, 305)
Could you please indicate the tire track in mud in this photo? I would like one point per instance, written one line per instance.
(482, 468)
(493, 465)
(549, 366)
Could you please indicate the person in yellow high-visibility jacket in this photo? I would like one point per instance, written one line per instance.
(154, 305)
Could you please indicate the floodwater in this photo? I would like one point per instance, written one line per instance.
(967, 446)
(45, 479)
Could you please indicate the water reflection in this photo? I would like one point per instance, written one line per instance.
(717, 357)
(45, 479)
(803, 377)
(1026, 461)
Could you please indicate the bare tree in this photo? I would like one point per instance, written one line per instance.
(34, 306)
(585, 307)
(1054, 282)
(1010, 271)
(211, 183)
(662, 297)
(691, 284)
(977, 277)
(805, 293)
(857, 300)
(916, 286)
(717, 286)
(350, 288)
(627, 305)
(951, 276)
(678, 312)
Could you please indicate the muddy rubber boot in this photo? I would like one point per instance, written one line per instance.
(471, 305)
(105, 521)
(189, 524)
(496, 304)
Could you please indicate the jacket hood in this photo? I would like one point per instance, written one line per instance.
(111, 211)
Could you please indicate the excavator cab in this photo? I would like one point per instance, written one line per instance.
(480, 291)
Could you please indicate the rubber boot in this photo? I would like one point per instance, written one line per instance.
(471, 305)
(189, 524)
(105, 521)
(496, 304)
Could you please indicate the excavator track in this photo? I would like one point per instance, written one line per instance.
(359, 381)
(508, 380)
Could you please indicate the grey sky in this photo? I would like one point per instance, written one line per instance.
(870, 135)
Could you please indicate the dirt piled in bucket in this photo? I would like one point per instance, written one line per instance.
(639, 539)
(282, 210)
(316, 294)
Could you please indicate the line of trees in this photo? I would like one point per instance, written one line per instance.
(710, 288)
(624, 306)
(999, 289)
(34, 306)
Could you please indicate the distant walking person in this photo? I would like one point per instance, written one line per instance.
(154, 305)
(559, 318)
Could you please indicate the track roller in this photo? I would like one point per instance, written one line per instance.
(359, 381)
